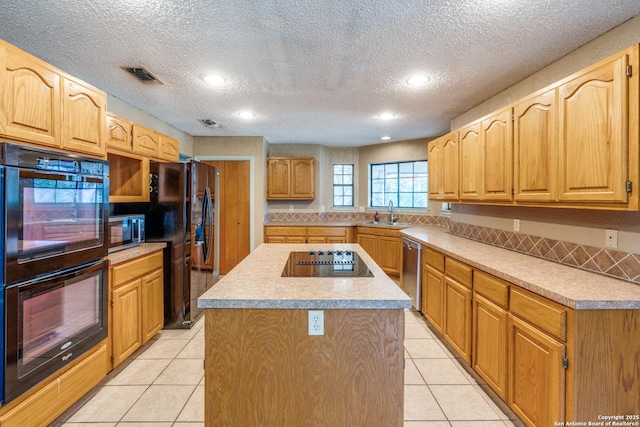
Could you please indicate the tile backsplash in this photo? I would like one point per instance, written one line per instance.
(418, 219)
(618, 264)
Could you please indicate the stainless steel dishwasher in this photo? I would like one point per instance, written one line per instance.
(411, 270)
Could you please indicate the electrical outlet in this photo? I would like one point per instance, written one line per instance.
(611, 239)
(316, 322)
(516, 224)
(290, 208)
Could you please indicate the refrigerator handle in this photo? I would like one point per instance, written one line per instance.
(207, 211)
(204, 225)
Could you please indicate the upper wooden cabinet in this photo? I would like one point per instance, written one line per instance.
(119, 132)
(573, 144)
(497, 160)
(145, 141)
(84, 112)
(471, 162)
(291, 178)
(444, 168)
(169, 148)
(534, 147)
(43, 105)
(594, 131)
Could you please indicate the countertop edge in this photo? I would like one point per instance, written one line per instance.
(307, 304)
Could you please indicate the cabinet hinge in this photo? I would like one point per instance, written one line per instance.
(629, 70)
(565, 362)
(628, 186)
(113, 359)
(111, 303)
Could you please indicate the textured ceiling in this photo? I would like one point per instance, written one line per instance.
(312, 71)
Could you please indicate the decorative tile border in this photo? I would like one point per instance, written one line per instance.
(418, 219)
(618, 264)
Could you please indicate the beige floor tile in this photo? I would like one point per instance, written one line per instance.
(411, 373)
(193, 350)
(188, 424)
(159, 403)
(194, 409)
(89, 424)
(463, 403)
(424, 348)
(491, 403)
(152, 424)
(427, 424)
(477, 424)
(416, 330)
(109, 404)
(440, 371)
(419, 404)
(177, 334)
(182, 372)
(140, 372)
(163, 349)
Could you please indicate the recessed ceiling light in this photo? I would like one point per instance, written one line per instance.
(246, 115)
(387, 116)
(215, 79)
(417, 80)
(385, 138)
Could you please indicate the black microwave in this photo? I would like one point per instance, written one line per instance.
(125, 231)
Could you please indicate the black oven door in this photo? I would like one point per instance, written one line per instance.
(54, 220)
(52, 321)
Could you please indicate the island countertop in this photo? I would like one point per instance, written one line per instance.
(257, 283)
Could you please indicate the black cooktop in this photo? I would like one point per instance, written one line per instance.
(325, 263)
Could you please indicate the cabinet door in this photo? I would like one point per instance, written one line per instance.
(119, 133)
(370, 244)
(497, 146)
(435, 165)
(278, 178)
(471, 172)
(303, 178)
(390, 254)
(316, 239)
(126, 321)
(146, 142)
(152, 301)
(169, 149)
(535, 148)
(536, 376)
(30, 99)
(433, 302)
(84, 118)
(594, 133)
(490, 343)
(450, 167)
(296, 239)
(457, 322)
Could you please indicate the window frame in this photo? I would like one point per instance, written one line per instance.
(398, 191)
(343, 186)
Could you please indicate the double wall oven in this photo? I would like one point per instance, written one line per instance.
(53, 291)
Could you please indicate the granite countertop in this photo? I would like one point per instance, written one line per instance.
(257, 283)
(566, 285)
(381, 224)
(135, 252)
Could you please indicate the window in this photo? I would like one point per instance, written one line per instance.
(342, 185)
(403, 183)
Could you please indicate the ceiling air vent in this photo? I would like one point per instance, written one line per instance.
(210, 123)
(142, 74)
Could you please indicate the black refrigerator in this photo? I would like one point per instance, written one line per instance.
(183, 213)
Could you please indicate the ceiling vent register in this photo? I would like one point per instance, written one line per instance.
(142, 74)
(210, 123)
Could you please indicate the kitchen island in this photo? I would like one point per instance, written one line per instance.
(262, 366)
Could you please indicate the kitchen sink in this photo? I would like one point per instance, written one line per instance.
(397, 224)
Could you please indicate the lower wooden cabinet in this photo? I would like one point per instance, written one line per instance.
(50, 399)
(299, 234)
(457, 312)
(384, 245)
(137, 301)
(433, 296)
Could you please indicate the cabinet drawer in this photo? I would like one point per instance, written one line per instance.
(325, 231)
(546, 315)
(83, 377)
(285, 231)
(433, 258)
(123, 273)
(458, 271)
(492, 288)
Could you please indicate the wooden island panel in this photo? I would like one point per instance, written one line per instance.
(264, 359)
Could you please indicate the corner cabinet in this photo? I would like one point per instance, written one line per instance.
(291, 178)
(137, 304)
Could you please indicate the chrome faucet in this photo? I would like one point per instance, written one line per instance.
(393, 216)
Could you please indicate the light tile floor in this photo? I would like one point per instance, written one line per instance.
(163, 386)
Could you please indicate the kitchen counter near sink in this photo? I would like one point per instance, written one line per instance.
(566, 285)
(265, 365)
